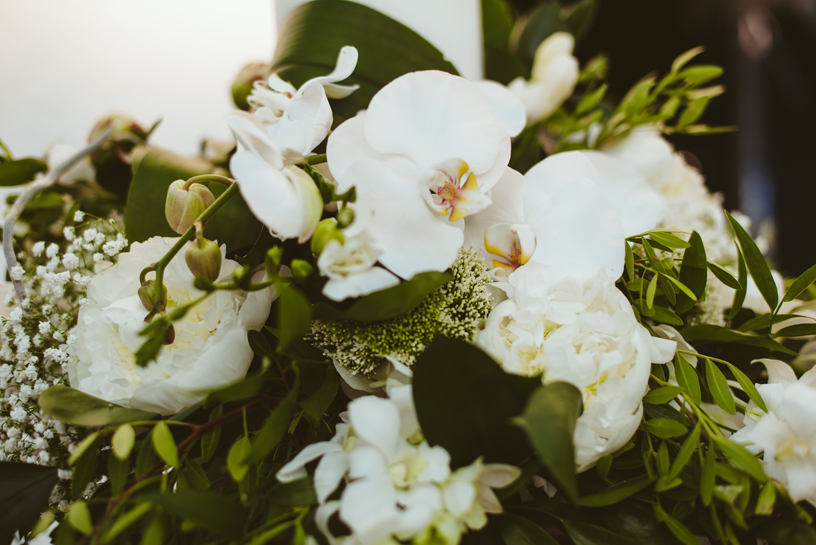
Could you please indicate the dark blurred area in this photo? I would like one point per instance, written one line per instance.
(766, 169)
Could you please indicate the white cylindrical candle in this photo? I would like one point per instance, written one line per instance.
(452, 26)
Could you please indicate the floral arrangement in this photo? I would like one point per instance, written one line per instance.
(411, 308)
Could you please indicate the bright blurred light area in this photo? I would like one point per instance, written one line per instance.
(64, 64)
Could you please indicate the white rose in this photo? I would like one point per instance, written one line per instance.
(581, 331)
(210, 349)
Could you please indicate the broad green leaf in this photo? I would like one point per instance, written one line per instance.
(209, 441)
(797, 330)
(259, 344)
(748, 387)
(692, 272)
(517, 530)
(670, 240)
(294, 315)
(665, 428)
(118, 471)
(122, 441)
(741, 457)
(800, 284)
(196, 475)
(616, 493)
(684, 454)
(687, 378)
(212, 511)
(316, 404)
(387, 303)
(79, 517)
(295, 493)
(718, 386)
(708, 476)
(86, 443)
(549, 421)
(665, 315)
(21, 171)
(713, 333)
(739, 295)
(651, 290)
(164, 444)
(630, 262)
(234, 224)
(273, 430)
(725, 276)
(677, 528)
(584, 533)
(238, 453)
(145, 458)
(766, 499)
(756, 263)
(497, 23)
(387, 50)
(24, 493)
(456, 379)
(123, 522)
(662, 395)
(579, 16)
(80, 409)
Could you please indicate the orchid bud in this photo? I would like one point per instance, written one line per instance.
(183, 206)
(203, 257)
(301, 269)
(273, 261)
(326, 230)
(345, 217)
(147, 294)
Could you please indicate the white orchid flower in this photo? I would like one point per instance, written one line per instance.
(299, 119)
(350, 268)
(284, 198)
(555, 215)
(787, 432)
(422, 157)
(554, 75)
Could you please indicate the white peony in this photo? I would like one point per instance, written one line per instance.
(210, 349)
(554, 75)
(350, 268)
(581, 331)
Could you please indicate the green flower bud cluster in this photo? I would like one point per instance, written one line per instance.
(455, 310)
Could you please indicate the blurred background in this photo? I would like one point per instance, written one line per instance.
(66, 64)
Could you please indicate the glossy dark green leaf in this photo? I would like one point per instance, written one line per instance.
(316, 404)
(725, 276)
(387, 50)
(665, 316)
(580, 16)
(549, 421)
(543, 22)
(665, 428)
(739, 295)
(294, 315)
(21, 171)
(234, 224)
(80, 409)
(713, 333)
(236, 392)
(756, 263)
(210, 440)
(800, 284)
(748, 387)
(670, 240)
(456, 379)
(687, 378)
(517, 530)
(497, 23)
(274, 428)
(741, 457)
(259, 344)
(388, 303)
(692, 272)
(617, 492)
(684, 454)
(584, 533)
(217, 513)
(718, 386)
(677, 528)
(662, 395)
(24, 493)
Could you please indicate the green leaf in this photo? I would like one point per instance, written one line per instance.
(387, 50)
(84, 472)
(591, 100)
(294, 315)
(666, 316)
(542, 22)
(687, 379)
(683, 59)
(766, 499)
(670, 240)
(677, 528)
(517, 530)
(122, 441)
(497, 23)
(216, 513)
(681, 286)
(118, 471)
(86, 443)
(713, 333)
(718, 385)
(797, 330)
(724, 276)
(24, 493)
(630, 262)
(800, 284)
(123, 522)
(741, 457)
(684, 454)
(665, 428)
(579, 17)
(387, 303)
(242, 390)
(651, 290)
(21, 171)
(209, 441)
(708, 477)
(274, 428)
(692, 272)
(694, 110)
(748, 387)
(700, 74)
(583, 533)
(79, 517)
(234, 224)
(549, 421)
(477, 410)
(739, 295)
(294, 493)
(616, 493)
(259, 344)
(756, 263)
(662, 395)
(236, 458)
(164, 444)
(80, 409)
(316, 404)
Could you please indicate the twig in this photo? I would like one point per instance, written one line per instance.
(25, 197)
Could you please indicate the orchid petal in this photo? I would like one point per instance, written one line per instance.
(252, 136)
(507, 208)
(331, 469)
(305, 123)
(779, 372)
(509, 109)
(295, 469)
(369, 508)
(375, 279)
(347, 145)
(377, 422)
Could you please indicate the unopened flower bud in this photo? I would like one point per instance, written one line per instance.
(301, 269)
(326, 230)
(272, 261)
(244, 82)
(170, 335)
(345, 216)
(147, 294)
(203, 257)
(242, 278)
(183, 206)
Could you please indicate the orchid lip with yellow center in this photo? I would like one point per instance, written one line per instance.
(455, 190)
(513, 245)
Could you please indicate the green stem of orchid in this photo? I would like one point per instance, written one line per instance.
(316, 159)
(203, 178)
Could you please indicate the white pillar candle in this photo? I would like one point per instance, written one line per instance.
(452, 26)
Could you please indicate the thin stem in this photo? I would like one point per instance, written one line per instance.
(316, 159)
(208, 178)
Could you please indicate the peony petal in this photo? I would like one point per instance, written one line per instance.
(509, 109)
